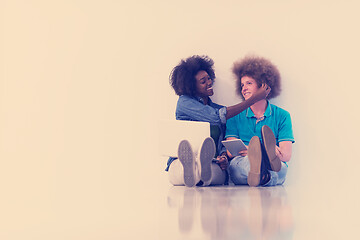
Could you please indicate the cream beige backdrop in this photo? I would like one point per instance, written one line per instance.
(84, 83)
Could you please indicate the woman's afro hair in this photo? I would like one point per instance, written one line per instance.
(261, 70)
(182, 77)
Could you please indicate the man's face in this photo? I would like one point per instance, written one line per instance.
(249, 87)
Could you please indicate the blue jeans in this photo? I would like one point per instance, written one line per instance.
(239, 170)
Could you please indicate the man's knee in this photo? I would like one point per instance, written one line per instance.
(237, 174)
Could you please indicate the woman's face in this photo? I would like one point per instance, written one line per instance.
(249, 87)
(204, 84)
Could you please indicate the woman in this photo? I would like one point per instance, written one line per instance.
(192, 79)
(264, 127)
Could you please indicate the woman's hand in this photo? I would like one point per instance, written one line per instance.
(263, 92)
(223, 162)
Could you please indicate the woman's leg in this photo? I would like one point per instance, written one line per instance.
(176, 174)
(218, 176)
(204, 160)
(191, 167)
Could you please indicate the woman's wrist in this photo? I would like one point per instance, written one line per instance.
(224, 154)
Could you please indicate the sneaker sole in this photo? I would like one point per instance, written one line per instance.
(186, 158)
(269, 144)
(207, 153)
(254, 155)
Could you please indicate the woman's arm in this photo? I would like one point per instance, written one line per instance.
(190, 109)
(232, 111)
(223, 161)
(284, 151)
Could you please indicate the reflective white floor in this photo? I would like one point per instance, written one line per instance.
(109, 200)
(228, 213)
(291, 211)
(114, 205)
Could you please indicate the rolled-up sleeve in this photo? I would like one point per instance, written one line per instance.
(222, 114)
(190, 109)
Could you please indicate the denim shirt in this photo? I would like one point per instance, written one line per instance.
(193, 109)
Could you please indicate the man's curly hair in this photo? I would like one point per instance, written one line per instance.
(260, 69)
(182, 77)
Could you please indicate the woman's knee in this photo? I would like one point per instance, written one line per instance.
(218, 176)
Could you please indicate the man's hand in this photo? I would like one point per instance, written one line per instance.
(243, 153)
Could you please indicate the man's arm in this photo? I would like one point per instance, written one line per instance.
(284, 151)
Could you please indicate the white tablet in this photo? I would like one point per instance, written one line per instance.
(234, 146)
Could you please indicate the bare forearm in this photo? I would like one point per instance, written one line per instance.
(238, 108)
(232, 111)
(284, 151)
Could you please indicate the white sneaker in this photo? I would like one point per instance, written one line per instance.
(186, 157)
(206, 155)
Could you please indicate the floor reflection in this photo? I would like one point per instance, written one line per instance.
(231, 212)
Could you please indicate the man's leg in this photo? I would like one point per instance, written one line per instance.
(255, 158)
(277, 178)
(239, 169)
(269, 142)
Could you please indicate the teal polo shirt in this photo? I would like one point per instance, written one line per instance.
(245, 125)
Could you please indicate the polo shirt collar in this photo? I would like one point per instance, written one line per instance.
(268, 111)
